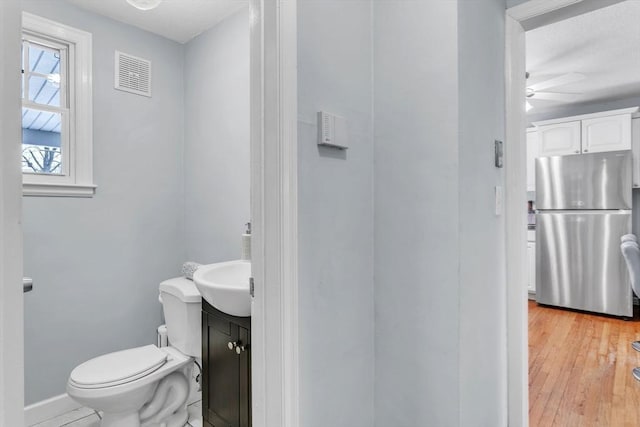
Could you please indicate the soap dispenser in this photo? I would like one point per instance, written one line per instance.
(246, 243)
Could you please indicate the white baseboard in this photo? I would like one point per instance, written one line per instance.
(50, 408)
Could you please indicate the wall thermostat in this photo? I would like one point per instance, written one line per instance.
(332, 131)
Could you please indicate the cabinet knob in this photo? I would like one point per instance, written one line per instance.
(577, 151)
(232, 345)
(586, 151)
(239, 349)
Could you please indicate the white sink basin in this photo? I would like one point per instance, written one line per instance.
(225, 285)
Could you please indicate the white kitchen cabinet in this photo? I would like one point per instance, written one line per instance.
(590, 133)
(532, 153)
(610, 133)
(635, 147)
(559, 139)
(531, 264)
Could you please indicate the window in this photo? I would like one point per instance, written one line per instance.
(57, 129)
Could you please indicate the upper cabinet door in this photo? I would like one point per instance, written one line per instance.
(612, 133)
(559, 139)
(532, 153)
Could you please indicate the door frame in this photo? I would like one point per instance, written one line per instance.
(531, 12)
(274, 209)
(11, 295)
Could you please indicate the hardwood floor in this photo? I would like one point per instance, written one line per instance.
(580, 369)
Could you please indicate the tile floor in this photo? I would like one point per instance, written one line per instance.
(85, 417)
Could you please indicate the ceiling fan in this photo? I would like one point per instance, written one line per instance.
(537, 91)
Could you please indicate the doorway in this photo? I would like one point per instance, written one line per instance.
(273, 212)
(527, 16)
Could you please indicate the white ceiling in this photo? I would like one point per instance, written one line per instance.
(604, 45)
(179, 20)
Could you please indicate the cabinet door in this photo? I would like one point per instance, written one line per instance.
(531, 264)
(559, 139)
(610, 133)
(221, 367)
(245, 377)
(532, 153)
(635, 146)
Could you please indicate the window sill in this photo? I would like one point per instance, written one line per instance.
(58, 190)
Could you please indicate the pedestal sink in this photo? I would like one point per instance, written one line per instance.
(225, 285)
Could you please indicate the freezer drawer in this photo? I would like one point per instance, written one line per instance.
(587, 181)
(578, 261)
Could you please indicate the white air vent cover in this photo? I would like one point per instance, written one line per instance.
(133, 74)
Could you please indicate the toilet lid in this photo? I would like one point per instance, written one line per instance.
(119, 367)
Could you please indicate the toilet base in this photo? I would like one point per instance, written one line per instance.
(120, 420)
(179, 419)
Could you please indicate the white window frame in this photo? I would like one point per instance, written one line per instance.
(77, 177)
(63, 109)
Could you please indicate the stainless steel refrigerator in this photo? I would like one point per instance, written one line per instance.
(584, 207)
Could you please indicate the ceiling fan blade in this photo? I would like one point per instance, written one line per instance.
(564, 79)
(556, 96)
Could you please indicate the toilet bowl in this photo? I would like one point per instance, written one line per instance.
(146, 386)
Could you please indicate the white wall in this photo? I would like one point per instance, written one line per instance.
(481, 95)
(439, 265)
(216, 156)
(97, 263)
(416, 213)
(335, 216)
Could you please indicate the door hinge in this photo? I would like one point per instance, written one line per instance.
(251, 287)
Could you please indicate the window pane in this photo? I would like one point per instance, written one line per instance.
(41, 141)
(45, 91)
(43, 60)
(44, 85)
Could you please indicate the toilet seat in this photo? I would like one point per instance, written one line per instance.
(118, 368)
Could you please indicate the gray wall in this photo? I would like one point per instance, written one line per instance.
(439, 264)
(335, 216)
(216, 156)
(416, 213)
(483, 356)
(436, 82)
(97, 262)
(511, 3)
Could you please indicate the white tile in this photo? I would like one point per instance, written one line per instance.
(85, 417)
(67, 418)
(195, 414)
(90, 421)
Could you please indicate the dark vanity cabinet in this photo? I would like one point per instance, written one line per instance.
(226, 364)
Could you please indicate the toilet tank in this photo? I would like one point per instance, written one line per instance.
(182, 306)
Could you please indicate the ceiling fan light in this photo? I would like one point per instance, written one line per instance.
(144, 4)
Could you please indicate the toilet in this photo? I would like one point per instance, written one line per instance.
(147, 386)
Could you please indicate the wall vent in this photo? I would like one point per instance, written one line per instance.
(133, 74)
